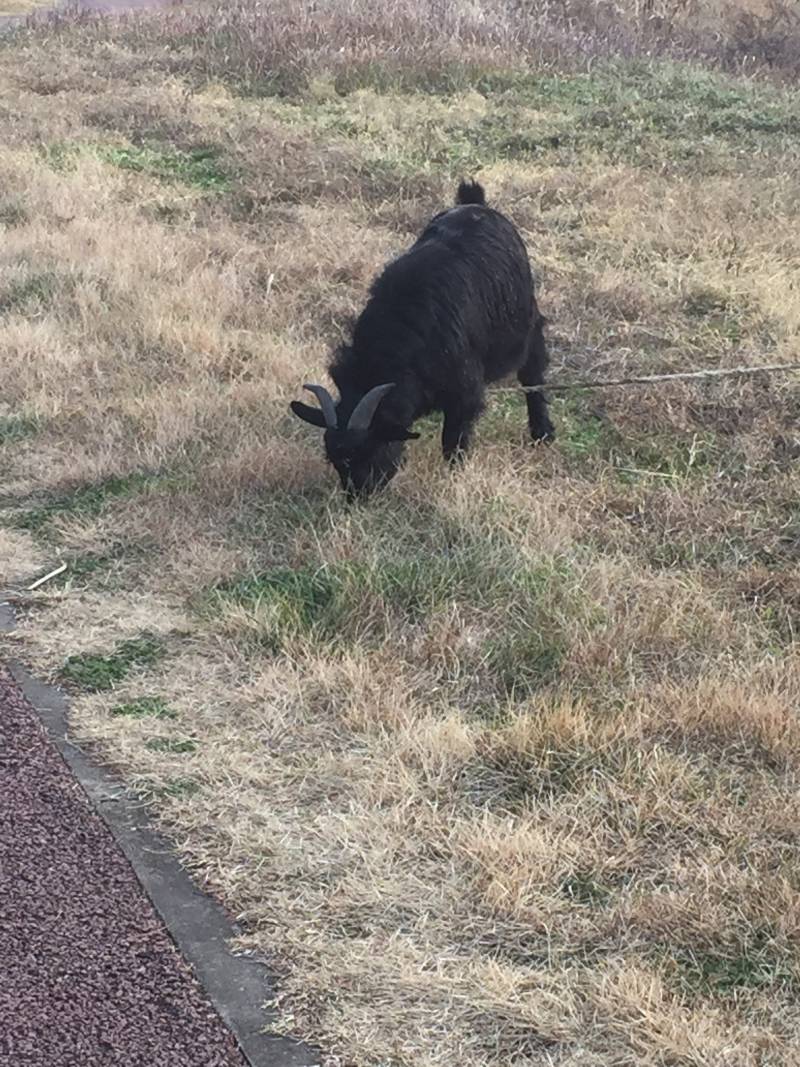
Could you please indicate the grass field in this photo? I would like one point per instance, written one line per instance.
(502, 768)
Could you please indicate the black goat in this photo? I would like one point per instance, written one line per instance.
(457, 310)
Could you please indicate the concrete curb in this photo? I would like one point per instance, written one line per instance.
(238, 986)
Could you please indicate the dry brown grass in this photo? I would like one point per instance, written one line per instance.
(18, 7)
(503, 768)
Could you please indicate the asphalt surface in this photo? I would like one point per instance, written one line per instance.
(89, 976)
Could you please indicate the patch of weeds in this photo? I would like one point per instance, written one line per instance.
(94, 672)
(582, 430)
(16, 428)
(680, 550)
(645, 112)
(641, 112)
(669, 456)
(726, 329)
(305, 509)
(782, 623)
(199, 167)
(760, 963)
(773, 595)
(506, 779)
(358, 599)
(95, 565)
(414, 587)
(506, 417)
(704, 301)
(89, 564)
(12, 214)
(429, 426)
(333, 602)
(583, 887)
(60, 155)
(290, 602)
(178, 787)
(523, 662)
(435, 78)
(144, 707)
(88, 499)
(174, 746)
(720, 319)
(30, 294)
(585, 433)
(167, 214)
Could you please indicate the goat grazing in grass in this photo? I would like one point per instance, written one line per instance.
(457, 310)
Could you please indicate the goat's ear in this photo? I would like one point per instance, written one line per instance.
(397, 433)
(308, 414)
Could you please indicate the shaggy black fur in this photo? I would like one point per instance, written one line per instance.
(457, 310)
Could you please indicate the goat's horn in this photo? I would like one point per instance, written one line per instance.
(365, 408)
(326, 403)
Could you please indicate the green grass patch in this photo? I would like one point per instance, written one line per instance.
(199, 167)
(582, 432)
(12, 214)
(718, 320)
(96, 567)
(143, 708)
(525, 656)
(89, 499)
(505, 418)
(15, 428)
(95, 672)
(674, 95)
(585, 435)
(647, 114)
(30, 294)
(667, 455)
(349, 601)
(704, 300)
(60, 156)
(760, 963)
(683, 550)
(433, 79)
(292, 602)
(583, 887)
(90, 563)
(506, 779)
(172, 746)
(178, 787)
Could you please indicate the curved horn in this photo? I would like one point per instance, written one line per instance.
(326, 403)
(365, 408)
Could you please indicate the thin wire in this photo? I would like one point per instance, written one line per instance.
(649, 379)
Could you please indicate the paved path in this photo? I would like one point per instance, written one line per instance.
(89, 977)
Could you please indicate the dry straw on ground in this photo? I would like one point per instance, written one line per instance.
(503, 768)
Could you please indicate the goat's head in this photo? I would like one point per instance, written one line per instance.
(366, 456)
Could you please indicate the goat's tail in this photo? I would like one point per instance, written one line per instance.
(471, 192)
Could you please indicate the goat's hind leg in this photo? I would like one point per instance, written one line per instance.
(532, 373)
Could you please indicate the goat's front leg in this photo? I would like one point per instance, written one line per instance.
(459, 423)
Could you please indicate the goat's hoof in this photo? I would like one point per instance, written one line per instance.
(544, 435)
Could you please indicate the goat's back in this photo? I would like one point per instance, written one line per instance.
(473, 234)
(452, 312)
(466, 253)
(467, 273)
